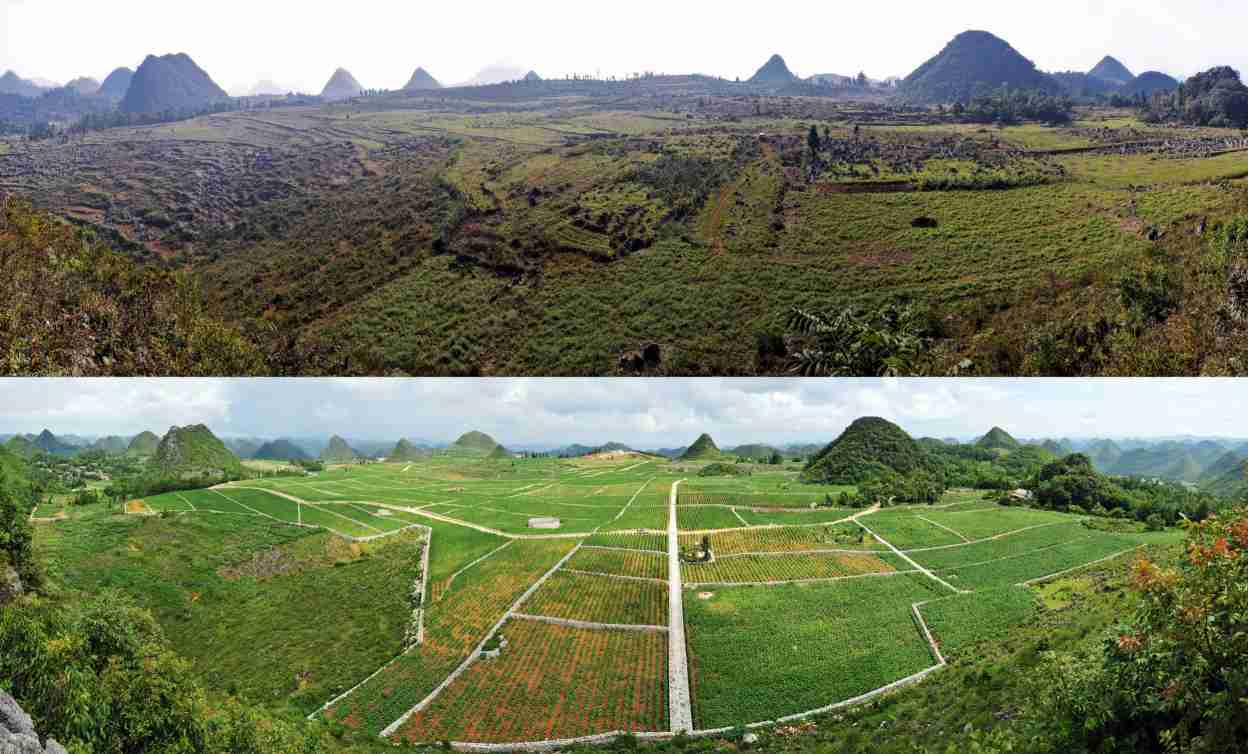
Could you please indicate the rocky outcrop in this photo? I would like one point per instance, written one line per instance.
(17, 731)
(10, 583)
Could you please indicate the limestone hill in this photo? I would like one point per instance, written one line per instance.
(998, 439)
(280, 450)
(194, 452)
(116, 84)
(170, 82)
(975, 62)
(868, 448)
(1149, 83)
(143, 444)
(703, 449)
(11, 83)
(754, 452)
(1112, 71)
(21, 447)
(1227, 476)
(775, 72)
(477, 443)
(405, 451)
(338, 451)
(85, 86)
(421, 81)
(53, 445)
(342, 85)
(1055, 447)
(113, 446)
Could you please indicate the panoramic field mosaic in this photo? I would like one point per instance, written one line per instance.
(522, 600)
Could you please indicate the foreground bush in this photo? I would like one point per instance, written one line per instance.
(99, 678)
(1175, 676)
(73, 307)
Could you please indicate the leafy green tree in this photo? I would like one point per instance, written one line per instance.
(887, 342)
(1173, 677)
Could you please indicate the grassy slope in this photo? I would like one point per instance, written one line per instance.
(343, 608)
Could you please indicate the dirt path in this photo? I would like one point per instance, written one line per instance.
(680, 704)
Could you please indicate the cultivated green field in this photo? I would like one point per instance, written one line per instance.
(310, 593)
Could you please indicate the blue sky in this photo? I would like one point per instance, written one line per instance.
(644, 413)
(298, 44)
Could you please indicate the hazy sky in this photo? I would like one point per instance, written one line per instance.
(298, 44)
(643, 413)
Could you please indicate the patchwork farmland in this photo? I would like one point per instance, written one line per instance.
(658, 602)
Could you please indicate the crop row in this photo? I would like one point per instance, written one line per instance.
(600, 599)
(750, 500)
(758, 654)
(1006, 546)
(700, 518)
(1035, 564)
(552, 682)
(960, 622)
(454, 625)
(620, 563)
(980, 524)
(789, 539)
(770, 568)
(653, 542)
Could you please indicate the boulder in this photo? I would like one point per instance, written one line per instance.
(10, 584)
(17, 731)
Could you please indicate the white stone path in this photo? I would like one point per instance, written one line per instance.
(680, 706)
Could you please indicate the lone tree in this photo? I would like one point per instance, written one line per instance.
(813, 140)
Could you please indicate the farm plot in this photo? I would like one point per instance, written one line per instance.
(600, 599)
(961, 621)
(339, 519)
(651, 542)
(759, 654)
(640, 517)
(792, 539)
(454, 626)
(981, 524)
(258, 501)
(707, 517)
(552, 682)
(1037, 563)
(377, 518)
(767, 569)
(1011, 545)
(796, 500)
(646, 565)
(777, 517)
(905, 530)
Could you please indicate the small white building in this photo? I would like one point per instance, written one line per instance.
(545, 523)
(1020, 494)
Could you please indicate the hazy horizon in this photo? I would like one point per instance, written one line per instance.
(299, 47)
(646, 414)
